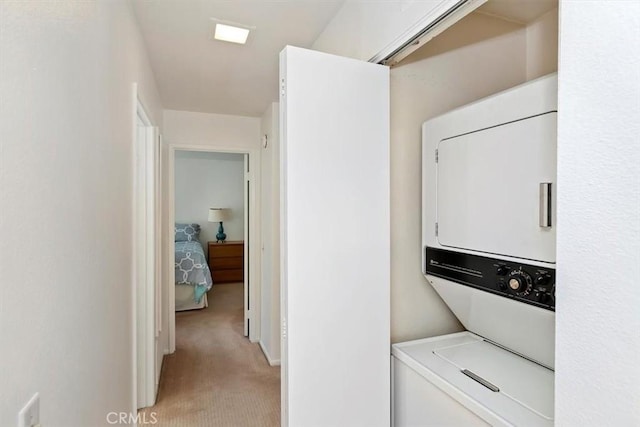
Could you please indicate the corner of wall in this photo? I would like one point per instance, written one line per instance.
(542, 45)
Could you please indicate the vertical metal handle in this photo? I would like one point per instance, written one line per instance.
(545, 204)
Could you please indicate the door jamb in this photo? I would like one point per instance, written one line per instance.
(146, 267)
(253, 254)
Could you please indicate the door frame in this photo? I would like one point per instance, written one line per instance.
(252, 237)
(146, 269)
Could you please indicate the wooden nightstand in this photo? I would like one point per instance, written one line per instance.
(226, 261)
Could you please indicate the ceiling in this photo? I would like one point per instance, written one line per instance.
(519, 11)
(196, 73)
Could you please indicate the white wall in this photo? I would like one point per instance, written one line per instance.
(185, 128)
(598, 297)
(270, 290)
(205, 180)
(66, 195)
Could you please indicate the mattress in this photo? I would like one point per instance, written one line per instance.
(185, 299)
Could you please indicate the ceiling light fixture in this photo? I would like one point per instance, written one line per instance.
(229, 33)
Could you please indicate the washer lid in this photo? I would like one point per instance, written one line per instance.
(494, 368)
(525, 396)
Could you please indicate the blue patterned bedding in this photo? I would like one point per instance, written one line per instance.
(192, 268)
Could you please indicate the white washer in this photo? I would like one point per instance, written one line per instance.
(463, 380)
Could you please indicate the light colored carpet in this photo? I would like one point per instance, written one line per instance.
(217, 377)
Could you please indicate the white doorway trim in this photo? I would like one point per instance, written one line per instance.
(252, 237)
(246, 192)
(146, 266)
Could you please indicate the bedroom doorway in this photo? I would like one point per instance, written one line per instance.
(211, 223)
(237, 259)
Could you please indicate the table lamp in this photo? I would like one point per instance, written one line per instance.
(219, 215)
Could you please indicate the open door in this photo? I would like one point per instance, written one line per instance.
(335, 261)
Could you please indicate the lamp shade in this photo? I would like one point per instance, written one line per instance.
(217, 214)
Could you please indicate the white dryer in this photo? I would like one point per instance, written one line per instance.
(488, 234)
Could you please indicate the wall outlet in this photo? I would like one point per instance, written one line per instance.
(29, 416)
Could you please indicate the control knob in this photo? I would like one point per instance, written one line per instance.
(542, 296)
(519, 282)
(502, 270)
(542, 279)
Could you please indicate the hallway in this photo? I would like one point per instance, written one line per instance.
(217, 377)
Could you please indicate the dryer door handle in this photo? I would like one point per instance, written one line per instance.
(545, 205)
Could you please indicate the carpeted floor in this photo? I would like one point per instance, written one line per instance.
(217, 377)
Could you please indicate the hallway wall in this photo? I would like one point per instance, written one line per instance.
(67, 70)
(185, 128)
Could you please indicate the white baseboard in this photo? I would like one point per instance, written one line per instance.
(272, 362)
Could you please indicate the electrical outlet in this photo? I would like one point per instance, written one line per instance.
(29, 416)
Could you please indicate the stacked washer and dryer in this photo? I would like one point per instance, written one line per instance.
(488, 238)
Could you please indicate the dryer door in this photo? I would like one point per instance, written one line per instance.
(496, 189)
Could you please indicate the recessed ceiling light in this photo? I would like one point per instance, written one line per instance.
(231, 34)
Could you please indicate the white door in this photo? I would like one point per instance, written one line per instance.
(507, 175)
(335, 240)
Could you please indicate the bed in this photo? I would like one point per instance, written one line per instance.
(192, 275)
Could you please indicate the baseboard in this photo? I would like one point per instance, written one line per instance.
(271, 361)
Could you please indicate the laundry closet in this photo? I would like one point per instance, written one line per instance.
(479, 56)
(363, 164)
(487, 221)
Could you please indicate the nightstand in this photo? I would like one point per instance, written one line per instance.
(226, 261)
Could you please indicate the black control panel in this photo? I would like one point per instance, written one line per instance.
(523, 282)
